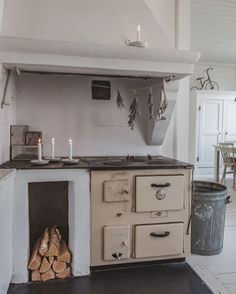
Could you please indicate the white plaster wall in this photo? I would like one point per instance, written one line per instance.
(163, 24)
(100, 21)
(223, 74)
(7, 116)
(6, 230)
(164, 12)
(62, 107)
(183, 14)
(2, 2)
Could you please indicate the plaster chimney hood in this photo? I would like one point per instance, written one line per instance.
(43, 56)
(94, 59)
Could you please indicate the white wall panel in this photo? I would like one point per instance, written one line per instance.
(62, 107)
(100, 21)
(6, 229)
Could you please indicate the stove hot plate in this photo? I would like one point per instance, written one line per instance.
(118, 162)
(131, 160)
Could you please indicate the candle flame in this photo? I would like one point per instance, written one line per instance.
(39, 140)
(53, 140)
(70, 140)
(138, 28)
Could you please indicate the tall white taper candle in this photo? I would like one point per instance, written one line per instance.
(138, 33)
(39, 150)
(70, 150)
(53, 148)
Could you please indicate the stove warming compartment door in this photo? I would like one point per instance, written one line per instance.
(156, 193)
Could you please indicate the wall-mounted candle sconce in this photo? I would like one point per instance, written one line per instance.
(138, 43)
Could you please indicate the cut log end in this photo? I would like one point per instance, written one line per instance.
(54, 243)
(49, 275)
(35, 276)
(65, 274)
(46, 264)
(64, 254)
(43, 248)
(35, 259)
(58, 266)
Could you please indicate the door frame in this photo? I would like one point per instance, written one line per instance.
(200, 136)
(197, 97)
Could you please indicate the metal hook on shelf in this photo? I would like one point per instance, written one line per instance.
(3, 102)
(169, 78)
(18, 71)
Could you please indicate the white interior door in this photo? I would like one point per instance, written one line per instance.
(230, 120)
(210, 130)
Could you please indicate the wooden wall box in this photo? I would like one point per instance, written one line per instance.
(17, 134)
(32, 138)
(101, 90)
(23, 152)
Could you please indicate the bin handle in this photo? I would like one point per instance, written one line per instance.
(228, 200)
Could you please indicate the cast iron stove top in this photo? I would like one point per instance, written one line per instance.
(134, 162)
(107, 163)
(129, 160)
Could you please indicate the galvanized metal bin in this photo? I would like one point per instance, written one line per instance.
(208, 217)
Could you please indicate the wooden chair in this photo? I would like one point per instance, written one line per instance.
(229, 160)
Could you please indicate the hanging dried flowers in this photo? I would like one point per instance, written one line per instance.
(163, 105)
(160, 103)
(134, 111)
(119, 101)
(150, 105)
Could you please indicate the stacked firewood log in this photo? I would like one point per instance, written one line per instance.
(50, 258)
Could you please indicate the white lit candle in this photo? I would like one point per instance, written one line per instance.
(39, 150)
(53, 148)
(70, 150)
(138, 33)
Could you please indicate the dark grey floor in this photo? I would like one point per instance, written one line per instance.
(160, 279)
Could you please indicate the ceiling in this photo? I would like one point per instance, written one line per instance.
(214, 30)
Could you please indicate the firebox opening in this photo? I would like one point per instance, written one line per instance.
(48, 206)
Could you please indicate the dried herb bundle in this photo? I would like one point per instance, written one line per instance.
(134, 112)
(119, 101)
(163, 105)
(150, 105)
(164, 102)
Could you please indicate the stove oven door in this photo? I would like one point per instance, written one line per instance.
(159, 240)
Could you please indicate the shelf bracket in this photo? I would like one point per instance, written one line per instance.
(3, 102)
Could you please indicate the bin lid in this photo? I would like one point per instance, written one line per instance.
(209, 190)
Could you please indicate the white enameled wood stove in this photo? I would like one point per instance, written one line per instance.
(140, 214)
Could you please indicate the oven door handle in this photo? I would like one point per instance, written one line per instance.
(160, 235)
(160, 185)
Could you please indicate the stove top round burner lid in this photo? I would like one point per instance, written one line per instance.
(117, 162)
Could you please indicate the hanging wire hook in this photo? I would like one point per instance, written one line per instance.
(3, 102)
(18, 71)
